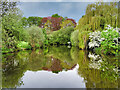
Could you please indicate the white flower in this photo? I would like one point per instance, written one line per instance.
(68, 42)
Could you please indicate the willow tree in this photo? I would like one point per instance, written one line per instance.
(96, 17)
(99, 14)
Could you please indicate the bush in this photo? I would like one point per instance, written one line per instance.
(110, 43)
(24, 35)
(74, 38)
(95, 39)
(36, 36)
(23, 45)
(61, 36)
(107, 41)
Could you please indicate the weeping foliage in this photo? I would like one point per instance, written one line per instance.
(96, 17)
(99, 14)
(74, 38)
(83, 39)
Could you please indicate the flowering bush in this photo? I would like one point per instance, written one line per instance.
(95, 39)
(108, 40)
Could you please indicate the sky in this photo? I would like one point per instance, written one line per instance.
(73, 9)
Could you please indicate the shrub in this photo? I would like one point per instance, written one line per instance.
(36, 36)
(23, 45)
(107, 40)
(61, 37)
(74, 38)
(110, 43)
(95, 39)
(11, 29)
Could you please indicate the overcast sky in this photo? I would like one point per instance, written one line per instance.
(43, 8)
(73, 10)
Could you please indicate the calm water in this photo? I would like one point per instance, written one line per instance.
(59, 67)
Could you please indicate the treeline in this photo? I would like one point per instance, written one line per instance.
(54, 22)
(34, 32)
(27, 33)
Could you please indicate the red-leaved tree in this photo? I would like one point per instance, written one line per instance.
(43, 21)
(55, 22)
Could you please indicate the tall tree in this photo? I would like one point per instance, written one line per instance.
(11, 24)
(99, 14)
(34, 20)
(52, 22)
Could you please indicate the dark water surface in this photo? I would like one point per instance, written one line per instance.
(59, 67)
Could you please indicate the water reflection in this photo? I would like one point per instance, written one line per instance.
(59, 67)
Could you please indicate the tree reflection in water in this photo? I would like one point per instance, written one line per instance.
(98, 71)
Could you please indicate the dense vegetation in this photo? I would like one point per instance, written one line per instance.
(97, 16)
(60, 37)
(19, 33)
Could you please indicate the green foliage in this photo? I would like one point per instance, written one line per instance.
(36, 36)
(34, 21)
(66, 23)
(7, 41)
(31, 21)
(24, 22)
(99, 14)
(23, 45)
(55, 15)
(24, 35)
(108, 45)
(11, 26)
(46, 37)
(83, 39)
(61, 36)
(6, 6)
(74, 38)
